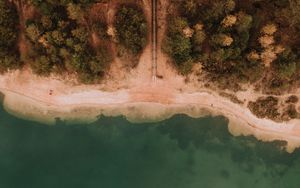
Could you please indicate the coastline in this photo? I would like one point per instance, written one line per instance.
(144, 106)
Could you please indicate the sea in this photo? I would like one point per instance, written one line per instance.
(180, 152)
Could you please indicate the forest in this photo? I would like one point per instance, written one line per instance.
(237, 41)
(67, 36)
(9, 54)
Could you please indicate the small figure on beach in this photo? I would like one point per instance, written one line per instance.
(50, 92)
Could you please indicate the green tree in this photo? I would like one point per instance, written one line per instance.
(33, 32)
(60, 40)
(244, 22)
(9, 56)
(199, 37)
(230, 5)
(75, 12)
(57, 37)
(41, 65)
(286, 64)
(176, 45)
(131, 27)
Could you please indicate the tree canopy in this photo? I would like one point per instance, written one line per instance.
(9, 57)
(235, 38)
(61, 40)
(131, 27)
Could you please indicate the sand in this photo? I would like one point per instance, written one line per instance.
(28, 96)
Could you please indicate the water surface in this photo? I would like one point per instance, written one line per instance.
(112, 153)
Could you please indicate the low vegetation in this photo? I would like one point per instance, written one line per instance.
(232, 97)
(237, 41)
(265, 107)
(290, 112)
(292, 99)
(272, 108)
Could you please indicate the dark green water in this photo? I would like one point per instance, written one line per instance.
(112, 153)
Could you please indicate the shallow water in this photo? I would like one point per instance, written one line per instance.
(112, 153)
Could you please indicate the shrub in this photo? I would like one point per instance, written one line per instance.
(292, 99)
(265, 107)
(290, 112)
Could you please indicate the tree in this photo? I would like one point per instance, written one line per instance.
(216, 11)
(229, 6)
(8, 61)
(46, 22)
(199, 37)
(131, 28)
(285, 64)
(190, 7)
(99, 63)
(33, 32)
(57, 37)
(229, 21)
(41, 65)
(222, 39)
(244, 22)
(8, 25)
(81, 34)
(75, 12)
(176, 44)
(295, 8)
(181, 49)
(9, 56)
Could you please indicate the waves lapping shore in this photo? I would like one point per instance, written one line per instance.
(87, 106)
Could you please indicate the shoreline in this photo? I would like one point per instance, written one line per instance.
(84, 107)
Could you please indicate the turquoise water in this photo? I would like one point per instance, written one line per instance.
(112, 153)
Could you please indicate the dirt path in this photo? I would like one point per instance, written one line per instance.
(25, 12)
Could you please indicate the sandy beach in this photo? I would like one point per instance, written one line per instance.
(134, 94)
(47, 99)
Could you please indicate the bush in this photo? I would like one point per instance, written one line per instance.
(291, 111)
(292, 99)
(265, 108)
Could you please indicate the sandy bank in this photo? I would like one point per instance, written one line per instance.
(134, 95)
(146, 106)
